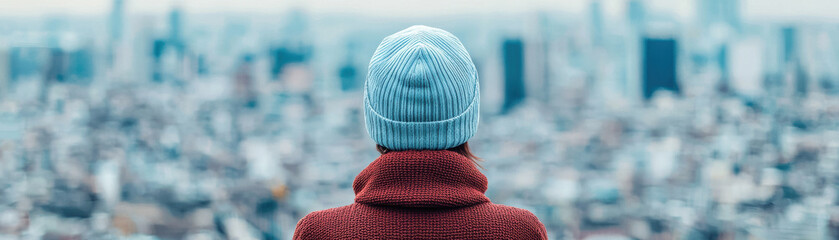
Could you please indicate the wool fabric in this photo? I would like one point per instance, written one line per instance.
(421, 91)
(420, 195)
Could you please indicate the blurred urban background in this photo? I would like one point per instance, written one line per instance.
(608, 119)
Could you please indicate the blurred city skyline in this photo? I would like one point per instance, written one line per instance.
(637, 119)
(751, 10)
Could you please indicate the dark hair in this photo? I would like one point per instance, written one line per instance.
(462, 149)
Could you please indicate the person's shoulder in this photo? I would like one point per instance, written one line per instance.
(512, 213)
(332, 212)
(314, 224)
(526, 224)
(325, 215)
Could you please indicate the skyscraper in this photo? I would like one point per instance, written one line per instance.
(5, 73)
(348, 76)
(80, 65)
(635, 12)
(176, 38)
(116, 21)
(596, 15)
(158, 46)
(722, 63)
(115, 29)
(282, 56)
(244, 90)
(25, 61)
(348, 73)
(659, 70)
(788, 37)
(175, 25)
(746, 66)
(514, 92)
(295, 45)
(720, 11)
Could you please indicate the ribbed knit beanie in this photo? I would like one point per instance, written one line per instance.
(421, 91)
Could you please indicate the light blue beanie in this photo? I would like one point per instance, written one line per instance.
(421, 91)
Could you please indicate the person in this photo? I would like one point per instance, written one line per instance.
(421, 101)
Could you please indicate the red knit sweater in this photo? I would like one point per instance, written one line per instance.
(421, 195)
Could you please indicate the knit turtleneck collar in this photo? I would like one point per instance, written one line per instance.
(423, 178)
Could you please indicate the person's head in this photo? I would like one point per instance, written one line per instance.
(421, 92)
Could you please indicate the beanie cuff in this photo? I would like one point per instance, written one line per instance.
(436, 135)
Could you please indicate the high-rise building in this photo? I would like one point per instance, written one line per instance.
(659, 70)
(746, 66)
(175, 25)
(295, 46)
(722, 57)
(116, 20)
(244, 90)
(169, 53)
(790, 47)
(282, 56)
(720, 12)
(11, 126)
(802, 81)
(25, 61)
(514, 91)
(630, 81)
(596, 15)
(349, 77)
(80, 65)
(115, 30)
(792, 63)
(635, 12)
(5, 73)
(158, 47)
(176, 38)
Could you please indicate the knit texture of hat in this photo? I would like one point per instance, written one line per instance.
(421, 92)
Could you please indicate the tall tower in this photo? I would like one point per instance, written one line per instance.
(117, 21)
(659, 70)
(790, 45)
(5, 72)
(720, 12)
(175, 25)
(115, 30)
(514, 92)
(635, 13)
(176, 38)
(596, 15)
(348, 73)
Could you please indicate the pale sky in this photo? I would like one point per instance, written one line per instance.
(751, 9)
